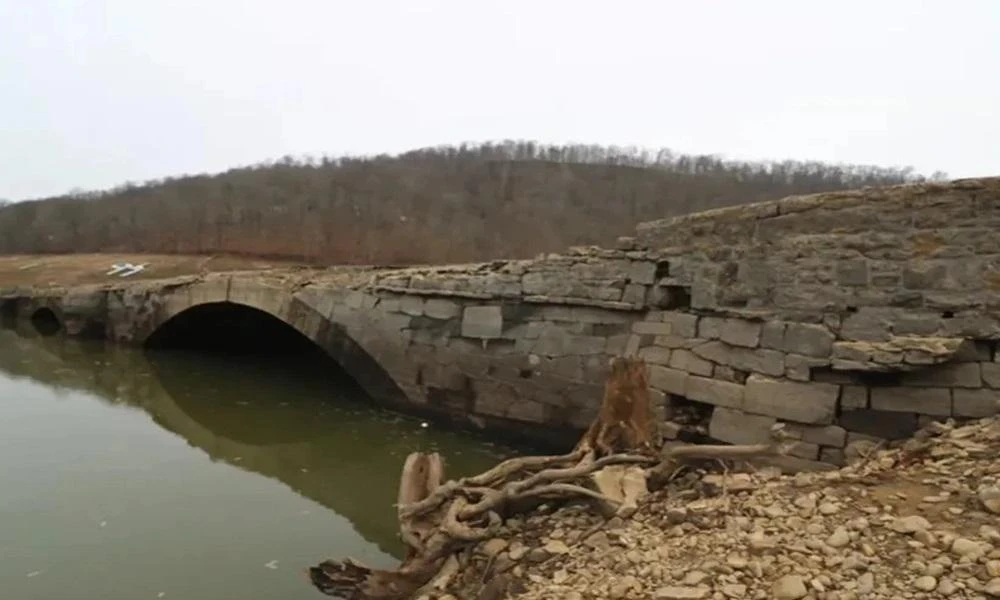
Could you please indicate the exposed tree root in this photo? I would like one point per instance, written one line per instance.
(614, 466)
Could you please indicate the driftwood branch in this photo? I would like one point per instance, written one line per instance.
(613, 466)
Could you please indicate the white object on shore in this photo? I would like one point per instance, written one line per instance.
(126, 269)
(118, 268)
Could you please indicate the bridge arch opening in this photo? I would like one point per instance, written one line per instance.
(230, 329)
(256, 338)
(45, 322)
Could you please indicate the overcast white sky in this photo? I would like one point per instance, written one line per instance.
(94, 93)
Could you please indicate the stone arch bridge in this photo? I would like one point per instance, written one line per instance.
(849, 316)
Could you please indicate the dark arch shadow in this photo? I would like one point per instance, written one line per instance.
(246, 332)
(45, 322)
(8, 312)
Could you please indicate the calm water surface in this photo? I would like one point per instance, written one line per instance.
(126, 475)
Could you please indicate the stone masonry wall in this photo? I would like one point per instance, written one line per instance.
(851, 317)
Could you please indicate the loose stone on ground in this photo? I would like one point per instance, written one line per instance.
(910, 523)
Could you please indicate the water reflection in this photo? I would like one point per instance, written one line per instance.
(267, 417)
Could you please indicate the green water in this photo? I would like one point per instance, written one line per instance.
(126, 475)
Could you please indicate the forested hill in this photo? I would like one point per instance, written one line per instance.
(444, 204)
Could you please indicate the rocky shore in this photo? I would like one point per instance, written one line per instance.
(921, 520)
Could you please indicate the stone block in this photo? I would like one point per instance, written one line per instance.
(633, 345)
(616, 345)
(685, 360)
(808, 340)
(482, 322)
(736, 427)
(927, 401)
(668, 380)
(768, 362)
(799, 368)
(362, 301)
(729, 374)
(270, 299)
(557, 342)
(683, 325)
(527, 410)
(738, 332)
(834, 456)
(713, 391)
(964, 375)
(917, 324)
(635, 294)
(656, 355)
(804, 450)
(772, 335)
(852, 272)
(669, 430)
(822, 435)
(869, 325)
(924, 275)
(800, 402)
(491, 398)
(991, 374)
(652, 328)
(878, 424)
(532, 330)
(439, 308)
(641, 271)
(411, 305)
(975, 403)
(710, 328)
(704, 295)
(673, 341)
(447, 377)
(973, 351)
(853, 397)
(596, 316)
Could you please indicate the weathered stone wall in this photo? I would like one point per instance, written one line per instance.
(857, 313)
(849, 316)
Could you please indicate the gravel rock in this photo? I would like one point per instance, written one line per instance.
(839, 538)
(993, 568)
(887, 527)
(910, 524)
(676, 592)
(964, 547)
(925, 583)
(789, 587)
(990, 497)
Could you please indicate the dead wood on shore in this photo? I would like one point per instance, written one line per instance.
(614, 466)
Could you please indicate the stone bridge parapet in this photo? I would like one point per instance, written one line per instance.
(851, 316)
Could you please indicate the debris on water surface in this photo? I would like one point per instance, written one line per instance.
(104, 524)
(34, 574)
(271, 564)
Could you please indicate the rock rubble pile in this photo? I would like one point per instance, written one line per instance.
(918, 521)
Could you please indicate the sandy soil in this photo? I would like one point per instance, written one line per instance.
(80, 269)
